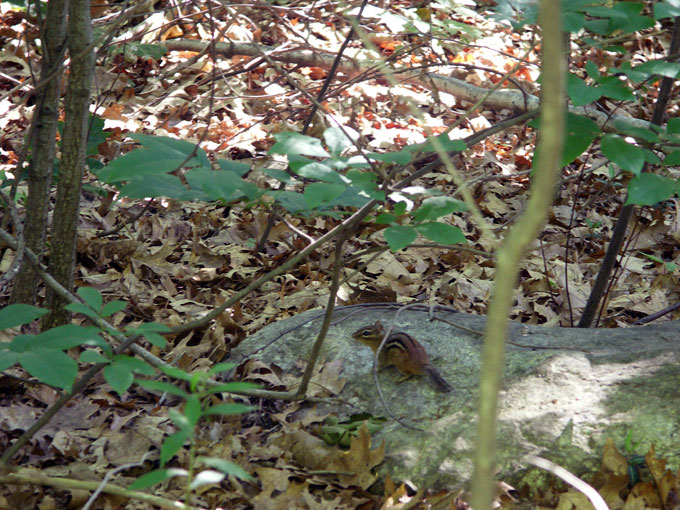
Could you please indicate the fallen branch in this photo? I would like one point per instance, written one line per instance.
(509, 99)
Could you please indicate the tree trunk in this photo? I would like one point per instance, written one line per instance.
(43, 149)
(74, 143)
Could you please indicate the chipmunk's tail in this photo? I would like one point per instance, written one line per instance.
(438, 380)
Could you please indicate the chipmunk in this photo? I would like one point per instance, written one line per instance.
(402, 351)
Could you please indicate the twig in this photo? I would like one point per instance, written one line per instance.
(296, 230)
(656, 315)
(108, 477)
(326, 324)
(21, 243)
(128, 221)
(26, 477)
(333, 70)
(594, 496)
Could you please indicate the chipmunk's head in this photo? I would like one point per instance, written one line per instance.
(372, 333)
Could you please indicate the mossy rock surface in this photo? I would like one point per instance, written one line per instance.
(565, 391)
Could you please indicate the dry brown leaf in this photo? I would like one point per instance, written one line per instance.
(359, 460)
(574, 500)
(666, 483)
(271, 480)
(612, 490)
(643, 495)
(306, 450)
(612, 460)
(326, 379)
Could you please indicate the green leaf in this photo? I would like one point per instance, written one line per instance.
(627, 156)
(22, 343)
(234, 387)
(291, 143)
(172, 444)
(119, 376)
(444, 142)
(150, 326)
(197, 377)
(134, 364)
(385, 219)
(365, 181)
(633, 74)
(143, 50)
(399, 208)
(222, 367)
(155, 339)
(666, 10)
(229, 409)
(624, 16)
(613, 87)
(160, 156)
(337, 163)
(320, 172)
(572, 21)
(15, 315)
(337, 141)
(649, 134)
(672, 159)
(402, 157)
(673, 125)
(149, 331)
(441, 233)
(163, 185)
(279, 175)
(92, 356)
(650, 156)
(228, 165)
(180, 420)
(670, 267)
(223, 185)
(95, 137)
(68, 336)
(599, 26)
(317, 193)
(352, 197)
(295, 162)
(8, 359)
(175, 372)
(162, 386)
(290, 200)
(138, 163)
(659, 68)
(650, 189)
(167, 145)
(581, 131)
(112, 307)
(436, 207)
(82, 309)
(517, 12)
(399, 237)
(192, 410)
(226, 467)
(155, 477)
(580, 93)
(50, 366)
(592, 70)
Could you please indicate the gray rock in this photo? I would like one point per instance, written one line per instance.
(565, 392)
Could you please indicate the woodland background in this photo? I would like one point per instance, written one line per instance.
(218, 167)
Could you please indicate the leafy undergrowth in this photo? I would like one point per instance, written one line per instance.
(623, 482)
(179, 260)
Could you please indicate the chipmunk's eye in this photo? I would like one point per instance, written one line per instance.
(366, 332)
